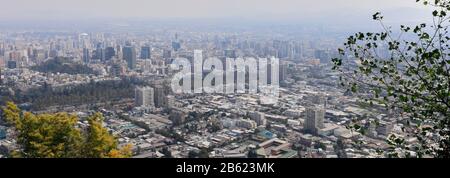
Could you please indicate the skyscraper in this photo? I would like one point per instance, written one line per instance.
(110, 52)
(178, 116)
(144, 96)
(129, 55)
(145, 52)
(283, 72)
(12, 64)
(167, 54)
(1, 76)
(118, 69)
(86, 56)
(323, 55)
(160, 96)
(100, 52)
(176, 45)
(314, 119)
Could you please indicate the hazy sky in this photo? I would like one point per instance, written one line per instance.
(242, 9)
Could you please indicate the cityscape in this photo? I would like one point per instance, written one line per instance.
(124, 70)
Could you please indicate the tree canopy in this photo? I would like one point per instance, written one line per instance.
(59, 136)
(63, 65)
(407, 72)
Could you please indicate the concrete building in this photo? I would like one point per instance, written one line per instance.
(245, 123)
(178, 116)
(145, 52)
(258, 117)
(129, 55)
(314, 119)
(384, 127)
(144, 96)
(86, 56)
(160, 96)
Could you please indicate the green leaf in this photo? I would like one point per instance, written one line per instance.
(435, 13)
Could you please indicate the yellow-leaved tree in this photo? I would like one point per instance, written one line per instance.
(99, 143)
(58, 136)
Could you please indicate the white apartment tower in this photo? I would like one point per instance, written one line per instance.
(144, 96)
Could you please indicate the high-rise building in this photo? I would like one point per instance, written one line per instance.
(160, 96)
(110, 52)
(39, 55)
(314, 119)
(119, 50)
(176, 45)
(53, 53)
(322, 55)
(1, 75)
(145, 52)
(86, 56)
(129, 55)
(2, 49)
(167, 54)
(12, 64)
(117, 69)
(143, 96)
(283, 72)
(178, 116)
(258, 117)
(100, 52)
(15, 55)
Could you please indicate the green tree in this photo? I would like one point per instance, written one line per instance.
(192, 154)
(339, 148)
(252, 153)
(58, 136)
(413, 81)
(320, 145)
(99, 142)
(166, 152)
(45, 135)
(204, 153)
